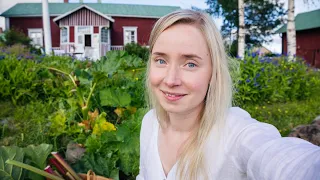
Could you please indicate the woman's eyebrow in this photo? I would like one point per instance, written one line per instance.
(159, 54)
(191, 56)
(186, 56)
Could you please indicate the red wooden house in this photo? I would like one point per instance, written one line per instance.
(307, 37)
(88, 29)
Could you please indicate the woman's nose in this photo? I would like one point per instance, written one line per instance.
(172, 77)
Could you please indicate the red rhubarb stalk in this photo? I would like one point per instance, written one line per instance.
(66, 166)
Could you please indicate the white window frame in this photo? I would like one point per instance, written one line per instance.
(130, 28)
(68, 35)
(36, 30)
(108, 35)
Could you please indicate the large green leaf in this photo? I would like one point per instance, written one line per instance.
(115, 98)
(39, 154)
(8, 171)
(110, 64)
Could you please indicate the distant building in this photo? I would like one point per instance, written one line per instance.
(307, 35)
(261, 50)
(87, 29)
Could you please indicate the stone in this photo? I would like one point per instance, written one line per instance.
(74, 152)
(309, 132)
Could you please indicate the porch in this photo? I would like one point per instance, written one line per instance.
(69, 49)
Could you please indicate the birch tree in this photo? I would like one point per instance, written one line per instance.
(46, 27)
(260, 18)
(291, 31)
(241, 35)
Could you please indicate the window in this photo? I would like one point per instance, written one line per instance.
(104, 35)
(36, 36)
(130, 35)
(64, 35)
(80, 37)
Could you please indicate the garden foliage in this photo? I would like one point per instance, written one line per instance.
(33, 155)
(14, 36)
(100, 105)
(137, 50)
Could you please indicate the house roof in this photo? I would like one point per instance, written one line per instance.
(82, 6)
(56, 9)
(304, 21)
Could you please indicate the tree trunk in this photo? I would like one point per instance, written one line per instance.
(46, 27)
(291, 31)
(241, 35)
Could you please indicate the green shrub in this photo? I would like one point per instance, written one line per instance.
(137, 50)
(14, 36)
(266, 79)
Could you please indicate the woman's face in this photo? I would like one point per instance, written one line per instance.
(180, 69)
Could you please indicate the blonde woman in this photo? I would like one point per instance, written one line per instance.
(192, 132)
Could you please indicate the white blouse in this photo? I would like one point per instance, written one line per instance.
(245, 149)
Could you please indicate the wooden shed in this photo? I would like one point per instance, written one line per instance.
(307, 36)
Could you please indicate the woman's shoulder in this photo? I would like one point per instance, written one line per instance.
(149, 119)
(149, 123)
(239, 119)
(243, 131)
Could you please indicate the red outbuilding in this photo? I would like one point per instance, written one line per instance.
(307, 37)
(87, 29)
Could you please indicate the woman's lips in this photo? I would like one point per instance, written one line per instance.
(172, 96)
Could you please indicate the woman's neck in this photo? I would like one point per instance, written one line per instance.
(184, 122)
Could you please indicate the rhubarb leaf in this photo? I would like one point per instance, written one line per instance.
(8, 171)
(39, 154)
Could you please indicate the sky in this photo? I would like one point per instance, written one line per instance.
(274, 46)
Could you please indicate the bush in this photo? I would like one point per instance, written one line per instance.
(273, 80)
(13, 36)
(137, 50)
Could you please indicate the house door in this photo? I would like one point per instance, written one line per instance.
(87, 40)
(80, 37)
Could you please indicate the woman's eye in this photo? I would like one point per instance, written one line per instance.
(161, 61)
(191, 65)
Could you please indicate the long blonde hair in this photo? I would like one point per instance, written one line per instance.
(191, 163)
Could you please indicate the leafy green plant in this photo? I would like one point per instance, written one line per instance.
(137, 50)
(32, 155)
(32, 169)
(114, 150)
(14, 36)
(9, 171)
(267, 79)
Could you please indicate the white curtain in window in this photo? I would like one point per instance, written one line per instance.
(64, 35)
(104, 35)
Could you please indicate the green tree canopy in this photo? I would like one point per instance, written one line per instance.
(261, 17)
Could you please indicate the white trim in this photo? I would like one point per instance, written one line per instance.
(68, 35)
(83, 6)
(134, 16)
(109, 34)
(130, 28)
(31, 30)
(7, 24)
(28, 15)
